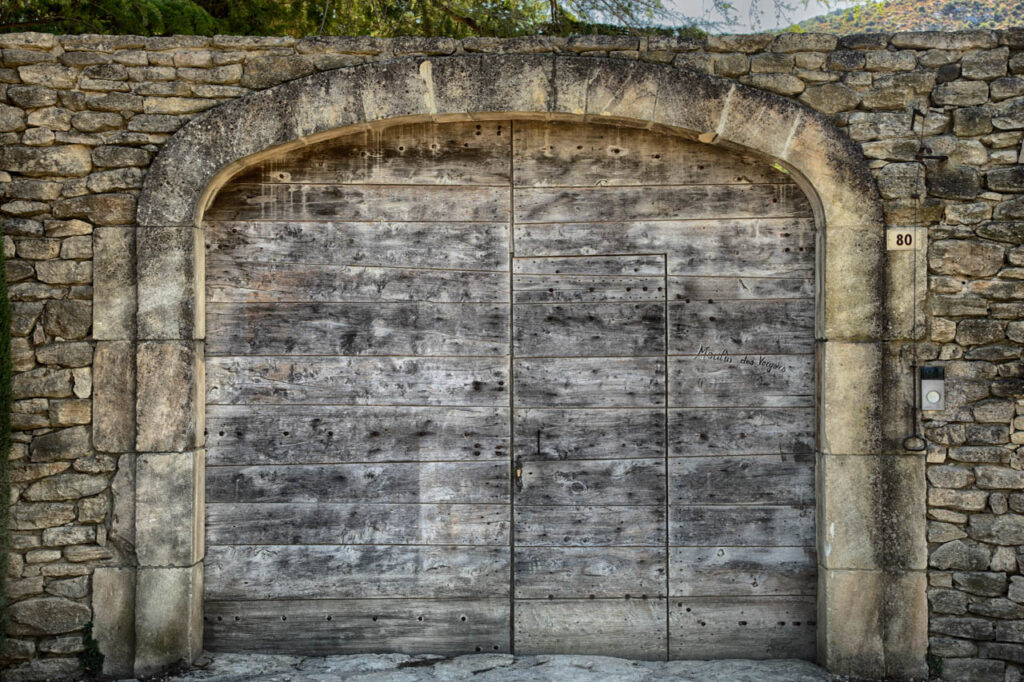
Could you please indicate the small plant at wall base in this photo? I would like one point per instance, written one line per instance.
(90, 658)
(5, 442)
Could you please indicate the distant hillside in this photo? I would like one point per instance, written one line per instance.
(918, 15)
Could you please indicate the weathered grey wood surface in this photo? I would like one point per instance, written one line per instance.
(400, 321)
(348, 626)
(589, 572)
(331, 380)
(362, 523)
(766, 627)
(424, 329)
(742, 571)
(628, 628)
(394, 482)
(318, 434)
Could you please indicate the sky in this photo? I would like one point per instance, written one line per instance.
(766, 8)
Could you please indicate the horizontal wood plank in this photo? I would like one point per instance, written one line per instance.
(301, 283)
(740, 526)
(317, 434)
(589, 382)
(713, 380)
(744, 479)
(733, 431)
(581, 329)
(471, 382)
(589, 434)
(742, 571)
(410, 483)
(589, 572)
(589, 526)
(742, 326)
(586, 288)
(569, 154)
(627, 628)
(437, 329)
(325, 627)
(364, 523)
(589, 482)
(416, 203)
(717, 247)
(625, 265)
(563, 205)
(354, 571)
(755, 628)
(458, 153)
(466, 246)
(738, 288)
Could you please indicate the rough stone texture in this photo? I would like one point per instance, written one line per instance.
(82, 117)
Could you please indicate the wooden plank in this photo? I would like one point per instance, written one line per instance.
(411, 483)
(589, 434)
(732, 431)
(744, 479)
(585, 288)
(569, 154)
(589, 572)
(744, 326)
(713, 380)
(384, 203)
(315, 434)
(244, 523)
(458, 153)
(465, 246)
(738, 288)
(440, 329)
(627, 628)
(740, 526)
(625, 265)
(302, 283)
(742, 571)
(718, 247)
(593, 204)
(581, 329)
(471, 382)
(756, 628)
(354, 571)
(590, 382)
(587, 482)
(325, 627)
(592, 526)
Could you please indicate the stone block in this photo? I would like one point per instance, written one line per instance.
(48, 616)
(861, 531)
(65, 160)
(169, 509)
(965, 257)
(854, 262)
(99, 209)
(960, 93)
(114, 287)
(113, 428)
(113, 606)
(985, 64)
(168, 276)
(973, 670)
(170, 396)
(831, 98)
(122, 495)
(168, 620)
(953, 181)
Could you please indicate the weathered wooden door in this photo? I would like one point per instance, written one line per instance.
(511, 386)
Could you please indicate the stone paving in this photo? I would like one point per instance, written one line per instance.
(489, 667)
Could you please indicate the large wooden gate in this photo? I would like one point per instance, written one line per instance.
(511, 386)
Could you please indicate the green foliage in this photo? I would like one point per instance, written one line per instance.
(6, 368)
(90, 658)
(382, 18)
(918, 15)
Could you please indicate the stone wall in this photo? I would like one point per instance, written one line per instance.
(82, 116)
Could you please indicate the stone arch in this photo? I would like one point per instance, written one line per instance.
(871, 545)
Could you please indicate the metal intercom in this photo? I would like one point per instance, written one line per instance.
(933, 388)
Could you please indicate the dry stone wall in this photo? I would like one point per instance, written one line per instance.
(939, 116)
